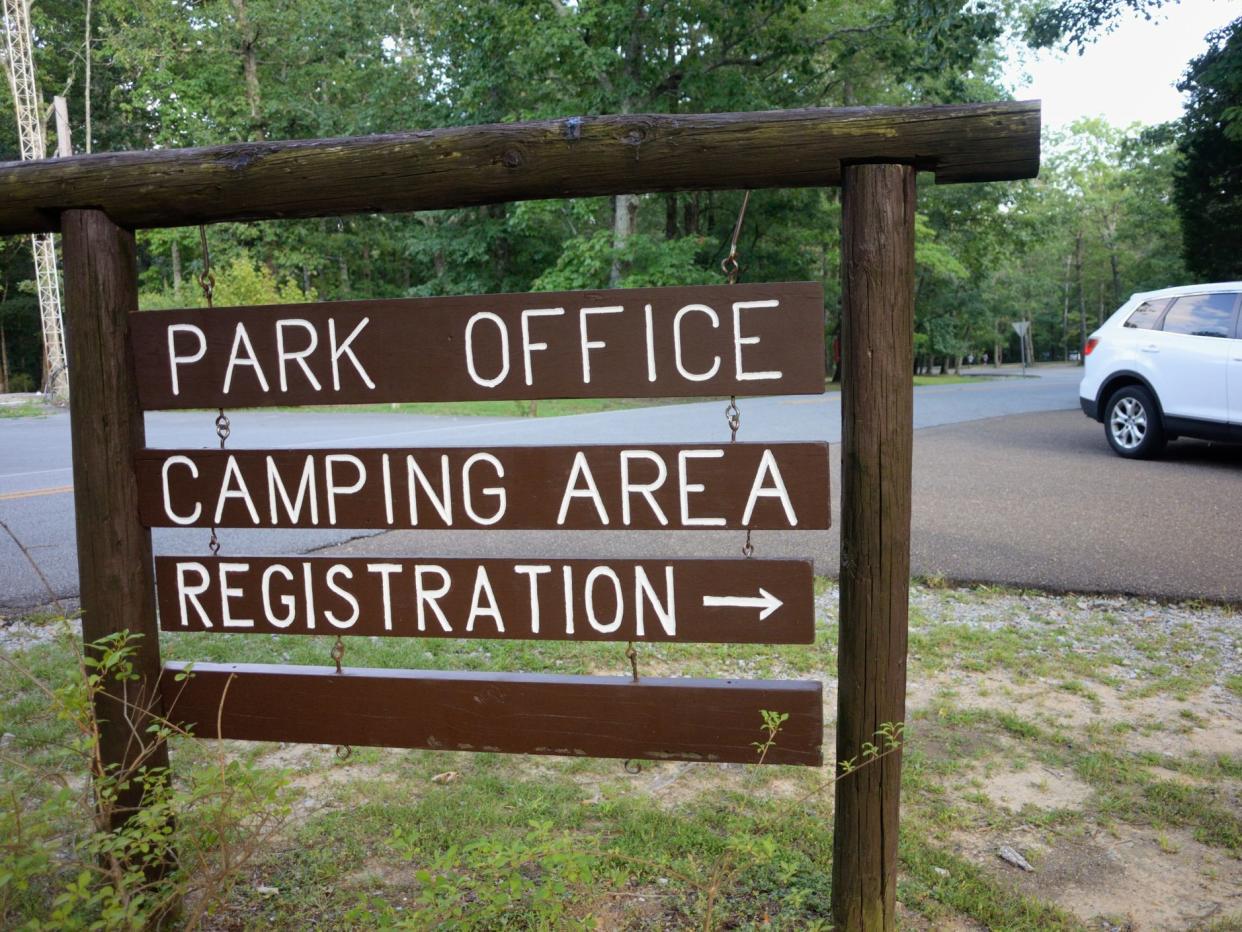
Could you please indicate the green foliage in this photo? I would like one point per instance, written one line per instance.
(524, 882)
(1076, 23)
(586, 262)
(68, 861)
(240, 282)
(1061, 251)
(1208, 186)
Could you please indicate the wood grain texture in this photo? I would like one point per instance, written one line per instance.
(741, 485)
(514, 713)
(115, 573)
(535, 598)
(574, 344)
(574, 157)
(877, 262)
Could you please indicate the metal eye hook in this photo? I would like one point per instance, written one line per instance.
(632, 655)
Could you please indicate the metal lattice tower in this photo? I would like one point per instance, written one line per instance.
(30, 135)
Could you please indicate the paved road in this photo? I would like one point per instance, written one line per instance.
(1004, 490)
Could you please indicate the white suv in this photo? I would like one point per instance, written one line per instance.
(1168, 364)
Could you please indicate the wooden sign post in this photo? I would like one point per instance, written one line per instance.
(699, 341)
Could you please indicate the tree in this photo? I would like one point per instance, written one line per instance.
(1076, 23)
(1208, 183)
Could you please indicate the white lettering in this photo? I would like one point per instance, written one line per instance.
(339, 569)
(283, 356)
(580, 468)
(308, 592)
(594, 621)
(229, 592)
(174, 360)
(385, 570)
(483, 587)
(567, 583)
(739, 340)
(768, 467)
(431, 597)
(677, 358)
(683, 459)
(286, 600)
(306, 492)
(240, 338)
(666, 614)
(532, 571)
(232, 472)
(386, 470)
(414, 477)
(344, 350)
(495, 491)
(330, 486)
(168, 509)
(589, 344)
(187, 594)
(527, 346)
(504, 349)
(629, 487)
(651, 365)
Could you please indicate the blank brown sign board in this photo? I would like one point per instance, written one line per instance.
(742, 601)
(779, 486)
(702, 340)
(575, 716)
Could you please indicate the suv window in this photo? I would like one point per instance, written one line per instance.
(1147, 314)
(1202, 315)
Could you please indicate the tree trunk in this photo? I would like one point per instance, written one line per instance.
(87, 81)
(343, 265)
(624, 225)
(1112, 259)
(250, 68)
(690, 214)
(670, 216)
(1065, 310)
(176, 269)
(1082, 301)
(4, 360)
(877, 401)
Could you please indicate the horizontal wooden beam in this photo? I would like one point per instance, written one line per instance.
(514, 713)
(574, 157)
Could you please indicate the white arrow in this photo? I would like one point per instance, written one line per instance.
(765, 601)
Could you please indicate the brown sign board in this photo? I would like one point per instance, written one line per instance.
(742, 601)
(778, 486)
(575, 716)
(702, 340)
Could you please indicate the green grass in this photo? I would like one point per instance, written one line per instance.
(526, 842)
(559, 407)
(554, 407)
(25, 409)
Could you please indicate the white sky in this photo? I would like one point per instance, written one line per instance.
(1127, 76)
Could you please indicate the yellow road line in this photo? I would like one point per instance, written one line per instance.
(34, 493)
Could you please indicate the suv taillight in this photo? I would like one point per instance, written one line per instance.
(1091, 344)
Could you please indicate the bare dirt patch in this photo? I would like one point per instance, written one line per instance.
(1132, 877)
(1039, 787)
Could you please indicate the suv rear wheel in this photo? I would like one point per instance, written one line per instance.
(1132, 424)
